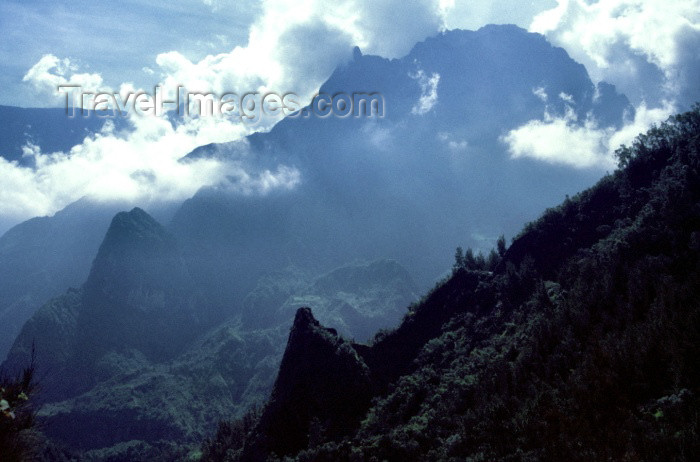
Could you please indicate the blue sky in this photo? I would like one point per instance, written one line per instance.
(116, 39)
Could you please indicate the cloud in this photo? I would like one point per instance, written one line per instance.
(292, 46)
(649, 49)
(390, 28)
(471, 14)
(559, 140)
(564, 140)
(141, 165)
(50, 72)
(541, 94)
(282, 178)
(452, 144)
(428, 94)
(115, 39)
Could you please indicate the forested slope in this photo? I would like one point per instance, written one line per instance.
(579, 342)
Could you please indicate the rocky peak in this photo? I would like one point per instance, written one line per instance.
(321, 378)
(137, 251)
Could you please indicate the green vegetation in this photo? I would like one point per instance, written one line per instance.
(126, 401)
(579, 342)
(17, 417)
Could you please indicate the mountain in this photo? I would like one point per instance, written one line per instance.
(178, 326)
(139, 293)
(313, 352)
(410, 185)
(579, 343)
(137, 297)
(42, 257)
(368, 186)
(136, 362)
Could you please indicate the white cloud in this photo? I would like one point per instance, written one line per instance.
(644, 118)
(455, 146)
(473, 14)
(569, 99)
(283, 178)
(650, 49)
(390, 28)
(559, 140)
(50, 72)
(293, 46)
(564, 140)
(541, 94)
(428, 94)
(142, 165)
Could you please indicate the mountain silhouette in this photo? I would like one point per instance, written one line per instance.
(407, 186)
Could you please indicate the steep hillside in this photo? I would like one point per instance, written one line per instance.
(579, 343)
(137, 297)
(315, 361)
(44, 256)
(139, 294)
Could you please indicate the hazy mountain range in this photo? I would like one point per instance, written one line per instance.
(363, 178)
(148, 332)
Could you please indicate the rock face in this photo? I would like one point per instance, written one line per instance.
(137, 298)
(42, 257)
(321, 390)
(138, 294)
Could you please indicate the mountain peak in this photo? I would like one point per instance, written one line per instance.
(356, 53)
(304, 319)
(307, 328)
(139, 292)
(135, 225)
(136, 247)
(322, 371)
(135, 230)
